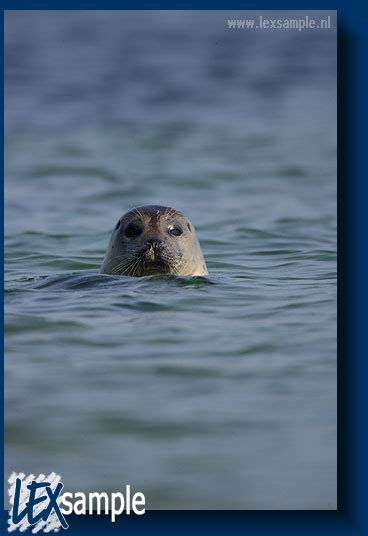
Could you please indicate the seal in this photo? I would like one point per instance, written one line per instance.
(154, 240)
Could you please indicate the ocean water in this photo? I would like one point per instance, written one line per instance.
(207, 392)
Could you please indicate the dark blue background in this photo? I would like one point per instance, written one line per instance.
(352, 296)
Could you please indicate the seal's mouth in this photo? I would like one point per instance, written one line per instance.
(152, 253)
(153, 260)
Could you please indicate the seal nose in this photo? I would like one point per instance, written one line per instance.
(153, 248)
(154, 241)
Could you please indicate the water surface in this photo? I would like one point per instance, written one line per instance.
(215, 392)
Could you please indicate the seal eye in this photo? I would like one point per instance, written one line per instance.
(175, 231)
(133, 230)
(117, 225)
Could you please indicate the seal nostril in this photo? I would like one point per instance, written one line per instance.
(154, 242)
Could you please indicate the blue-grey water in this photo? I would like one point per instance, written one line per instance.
(207, 392)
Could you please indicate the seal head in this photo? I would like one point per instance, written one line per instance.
(154, 240)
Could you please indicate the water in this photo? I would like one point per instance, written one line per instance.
(216, 392)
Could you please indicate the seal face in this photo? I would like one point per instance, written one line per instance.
(154, 240)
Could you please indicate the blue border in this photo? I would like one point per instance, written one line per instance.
(350, 517)
(2, 286)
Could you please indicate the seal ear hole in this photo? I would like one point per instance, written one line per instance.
(189, 227)
(133, 230)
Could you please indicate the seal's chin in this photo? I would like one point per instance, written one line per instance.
(154, 268)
